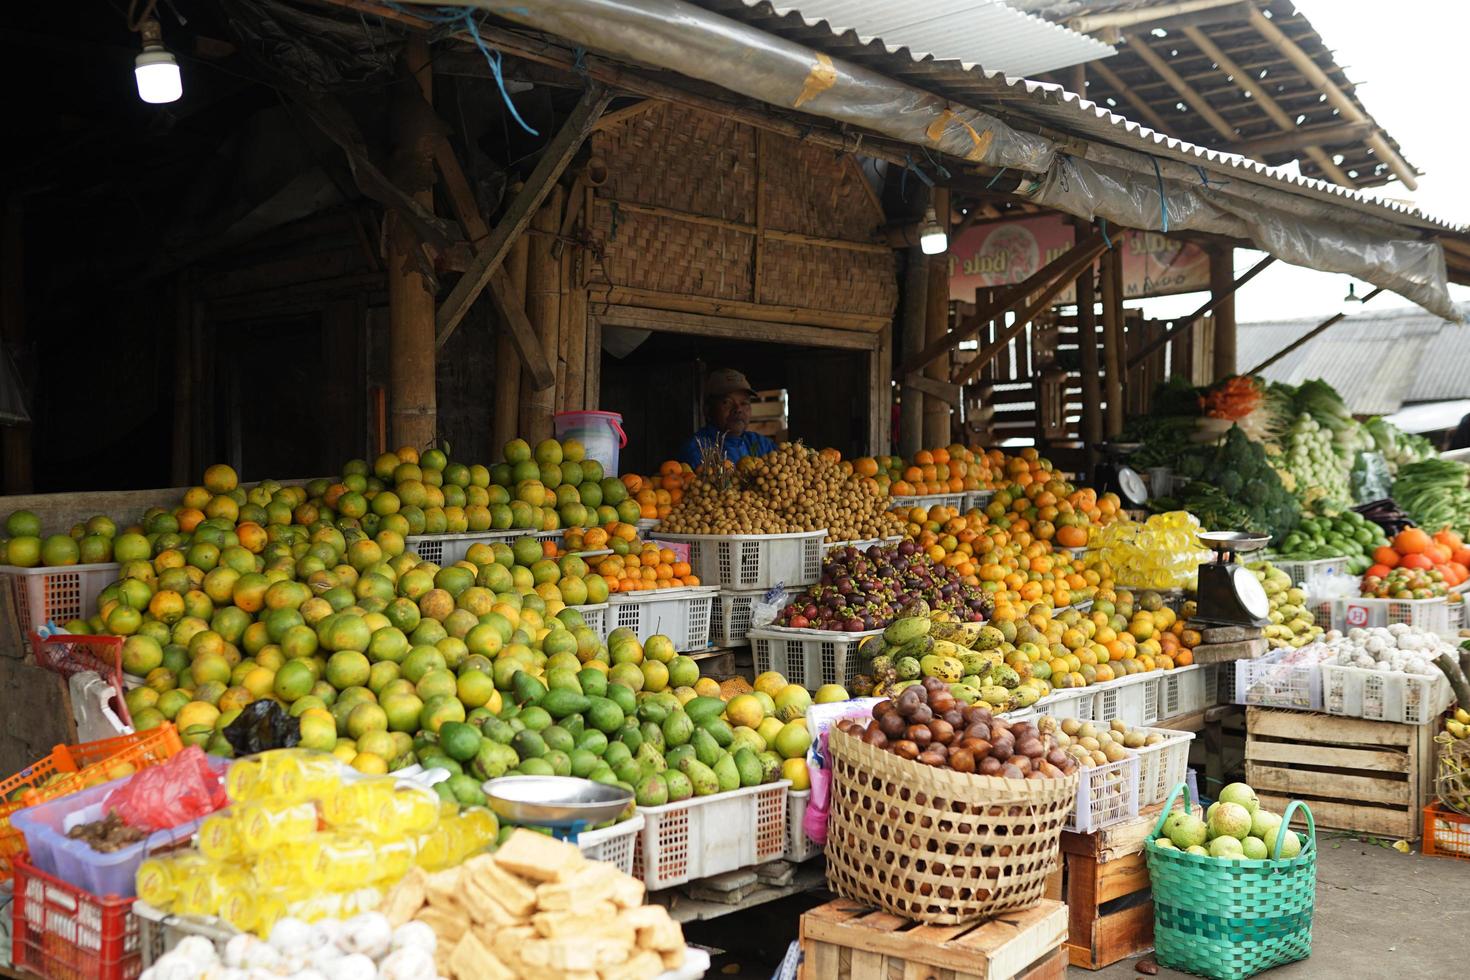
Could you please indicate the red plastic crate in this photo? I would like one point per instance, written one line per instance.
(86, 764)
(1446, 833)
(63, 933)
(69, 654)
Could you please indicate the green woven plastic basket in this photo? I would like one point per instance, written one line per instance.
(1232, 919)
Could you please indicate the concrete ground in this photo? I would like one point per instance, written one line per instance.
(1379, 914)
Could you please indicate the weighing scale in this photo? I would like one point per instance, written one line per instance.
(564, 803)
(1229, 593)
(1114, 475)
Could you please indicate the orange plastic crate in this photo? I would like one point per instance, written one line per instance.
(61, 932)
(1446, 833)
(83, 764)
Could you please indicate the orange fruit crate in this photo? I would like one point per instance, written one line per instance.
(1446, 833)
(64, 933)
(79, 766)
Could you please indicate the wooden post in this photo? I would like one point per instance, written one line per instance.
(1222, 279)
(506, 420)
(573, 392)
(410, 295)
(15, 462)
(914, 314)
(1092, 421)
(543, 309)
(1113, 354)
(880, 394)
(936, 325)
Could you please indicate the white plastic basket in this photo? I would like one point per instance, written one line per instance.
(1106, 795)
(810, 658)
(1380, 695)
(56, 594)
(709, 835)
(863, 545)
(1185, 690)
(754, 561)
(978, 499)
(614, 844)
(595, 616)
(1162, 766)
(799, 847)
(446, 549)
(683, 615)
(953, 500)
(645, 524)
(160, 931)
(1432, 615)
(1300, 571)
(1271, 682)
(1072, 702)
(1133, 699)
(730, 616)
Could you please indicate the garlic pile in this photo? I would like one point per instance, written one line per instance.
(1399, 647)
(364, 947)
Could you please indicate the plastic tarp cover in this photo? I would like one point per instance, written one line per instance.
(1413, 268)
(679, 36)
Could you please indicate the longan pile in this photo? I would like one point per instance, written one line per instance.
(789, 490)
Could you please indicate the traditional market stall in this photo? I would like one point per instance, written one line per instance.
(526, 697)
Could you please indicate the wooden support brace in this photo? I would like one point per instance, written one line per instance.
(1330, 321)
(1196, 101)
(517, 217)
(943, 390)
(1188, 322)
(511, 309)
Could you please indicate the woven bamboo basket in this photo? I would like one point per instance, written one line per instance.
(938, 846)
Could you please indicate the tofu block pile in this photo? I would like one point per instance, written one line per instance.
(538, 908)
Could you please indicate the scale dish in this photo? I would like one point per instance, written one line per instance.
(555, 801)
(1236, 541)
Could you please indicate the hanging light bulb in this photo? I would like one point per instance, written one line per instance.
(932, 239)
(156, 69)
(1352, 296)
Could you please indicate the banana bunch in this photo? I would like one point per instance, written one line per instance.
(1459, 725)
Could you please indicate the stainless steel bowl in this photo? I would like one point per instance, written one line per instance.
(555, 801)
(1240, 541)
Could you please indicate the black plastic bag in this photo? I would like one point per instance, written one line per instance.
(262, 725)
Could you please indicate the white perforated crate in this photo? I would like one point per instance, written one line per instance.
(955, 501)
(1381, 695)
(1162, 766)
(446, 549)
(863, 545)
(978, 499)
(1132, 699)
(682, 615)
(799, 847)
(645, 524)
(730, 616)
(1300, 571)
(1185, 690)
(1106, 795)
(754, 561)
(1071, 702)
(810, 658)
(615, 844)
(1281, 679)
(709, 835)
(58, 594)
(1432, 615)
(595, 616)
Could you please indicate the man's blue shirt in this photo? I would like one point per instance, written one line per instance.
(736, 447)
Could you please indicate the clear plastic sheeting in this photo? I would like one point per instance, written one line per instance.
(679, 36)
(1413, 268)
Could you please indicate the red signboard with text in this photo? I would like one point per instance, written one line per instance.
(1007, 252)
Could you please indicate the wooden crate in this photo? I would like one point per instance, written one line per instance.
(1110, 909)
(1374, 777)
(846, 940)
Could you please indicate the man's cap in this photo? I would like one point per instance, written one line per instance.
(726, 381)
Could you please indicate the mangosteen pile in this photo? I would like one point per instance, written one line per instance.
(868, 589)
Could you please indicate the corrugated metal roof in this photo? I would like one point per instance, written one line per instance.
(975, 32)
(1020, 101)
(1378, 361)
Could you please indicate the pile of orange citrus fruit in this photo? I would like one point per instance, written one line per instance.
(656, 495)
(645, 570)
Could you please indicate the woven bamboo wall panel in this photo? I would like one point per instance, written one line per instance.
(681, 159)
(827, 278)
(673, 256)
(813, 191)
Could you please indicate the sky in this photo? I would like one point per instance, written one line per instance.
(1407, 59)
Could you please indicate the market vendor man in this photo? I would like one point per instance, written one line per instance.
(727, 398)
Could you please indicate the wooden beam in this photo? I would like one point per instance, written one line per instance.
(543, 310)
(1092, 23)
(1091, 428)
(880, 395)
(669, 321)
(740, 227)
(1339, 99)
(461, 197)
(511, 309)
(1246, 83)
(1002, 301)
(619, 116)
(1188, 322)
(944, 391)
(937, 413)
(1079, 260)
(765, 312)
(1309, 335)
(508, 362)
(1144, 110)
(517, 216)
(1110, 272)
(1196, 101)
(1222, 271)
(1300, 138)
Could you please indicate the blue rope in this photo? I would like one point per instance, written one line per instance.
(936, 164)
(1163, 204)
(996, 177)
(580, 65)
(1106, 240)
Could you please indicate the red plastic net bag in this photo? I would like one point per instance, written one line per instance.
(185, 788)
